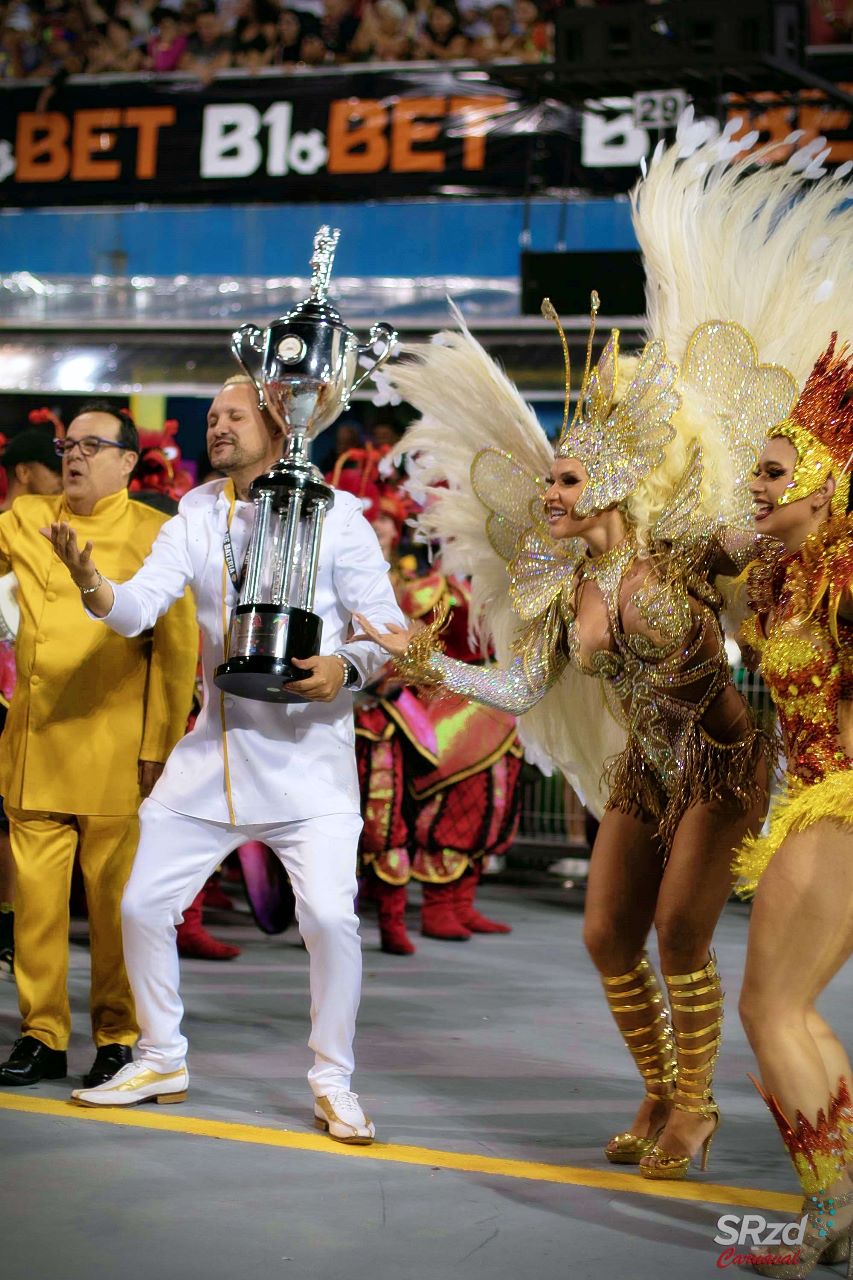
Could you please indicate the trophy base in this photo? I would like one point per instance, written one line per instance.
(263, 641)
(263, 679)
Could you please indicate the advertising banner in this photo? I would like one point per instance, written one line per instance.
(345, 134)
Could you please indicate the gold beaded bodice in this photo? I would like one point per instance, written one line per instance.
(647, 628)
(806, 648)
(666, 664)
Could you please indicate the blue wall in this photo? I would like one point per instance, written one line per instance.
(477, 237)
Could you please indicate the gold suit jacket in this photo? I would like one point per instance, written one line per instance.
(88, 704)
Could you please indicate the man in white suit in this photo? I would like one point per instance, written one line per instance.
(284, 774)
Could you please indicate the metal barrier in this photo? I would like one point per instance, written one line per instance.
(553, 820)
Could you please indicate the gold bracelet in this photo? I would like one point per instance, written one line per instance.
(88, 591)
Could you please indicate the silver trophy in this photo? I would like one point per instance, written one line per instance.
(305, 367)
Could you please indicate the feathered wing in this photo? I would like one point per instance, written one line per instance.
(466, 404)
(731, 237)
(681, 517)
(729, 394)
(479, 456)
(747, 269)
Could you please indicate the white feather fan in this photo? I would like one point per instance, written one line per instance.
(467, 404)
(728, 237)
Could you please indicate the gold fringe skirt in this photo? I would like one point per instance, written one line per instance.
(800, 807)
(728, 773)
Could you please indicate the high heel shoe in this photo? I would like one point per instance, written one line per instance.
(628, 1148)
(665, 1167)
(632, 995)
(821, 1244)
(697, 1025)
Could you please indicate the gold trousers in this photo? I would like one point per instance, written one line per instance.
(43, 846)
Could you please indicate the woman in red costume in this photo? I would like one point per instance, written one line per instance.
(801, 871)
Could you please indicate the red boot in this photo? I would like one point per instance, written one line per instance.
(466, 912)
(195, 943)
(215, 897)
(438, 914)
(391, 900)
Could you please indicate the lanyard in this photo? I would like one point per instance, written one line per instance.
(231, 562)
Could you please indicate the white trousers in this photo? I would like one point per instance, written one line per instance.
(176, 855)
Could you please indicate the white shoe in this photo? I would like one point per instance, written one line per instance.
(340, 1113)
(135, 1083)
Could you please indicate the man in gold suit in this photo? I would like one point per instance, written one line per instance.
(92, 720)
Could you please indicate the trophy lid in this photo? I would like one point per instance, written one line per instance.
(317, 305)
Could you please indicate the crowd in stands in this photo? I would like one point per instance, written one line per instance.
(55, 37)
(46, 38)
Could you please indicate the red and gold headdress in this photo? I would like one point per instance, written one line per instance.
(821, 429)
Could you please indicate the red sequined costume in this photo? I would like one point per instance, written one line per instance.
(438, 780)
(802, 630)
(805, 644)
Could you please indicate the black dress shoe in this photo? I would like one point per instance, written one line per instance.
(109, 1059)
(31, 1061)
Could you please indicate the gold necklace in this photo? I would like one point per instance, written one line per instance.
(598, 567)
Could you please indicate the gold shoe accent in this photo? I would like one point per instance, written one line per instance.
(163, 1098)
(822, 1243)
(635, 996)
(355, 1140)
(697, 1047)
(819, 1153)
(838, 1251)
(133, 1079)
(664, 1167)
(627, 1148)
(355, 1130)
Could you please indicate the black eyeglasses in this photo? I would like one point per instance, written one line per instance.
(88, 446)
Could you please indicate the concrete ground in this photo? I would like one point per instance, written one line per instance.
(493, 1073)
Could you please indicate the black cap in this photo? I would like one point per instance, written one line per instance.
(31, 446)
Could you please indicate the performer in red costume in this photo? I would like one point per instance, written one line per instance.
(438, 776)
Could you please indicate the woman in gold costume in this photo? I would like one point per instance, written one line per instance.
(801, 871)
(609, 568)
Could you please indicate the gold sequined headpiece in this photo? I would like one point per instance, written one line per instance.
(618, 444)
(821, 429)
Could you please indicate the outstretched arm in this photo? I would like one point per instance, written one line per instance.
(514, 688)
(97, 592)
(134, 606)
(733, 549)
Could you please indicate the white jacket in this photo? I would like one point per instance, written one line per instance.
(245, 761)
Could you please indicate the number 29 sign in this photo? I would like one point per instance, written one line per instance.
(659, 108)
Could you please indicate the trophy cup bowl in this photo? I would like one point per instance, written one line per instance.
(305, 369)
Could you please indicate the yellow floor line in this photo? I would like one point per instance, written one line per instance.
(463, 1161)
